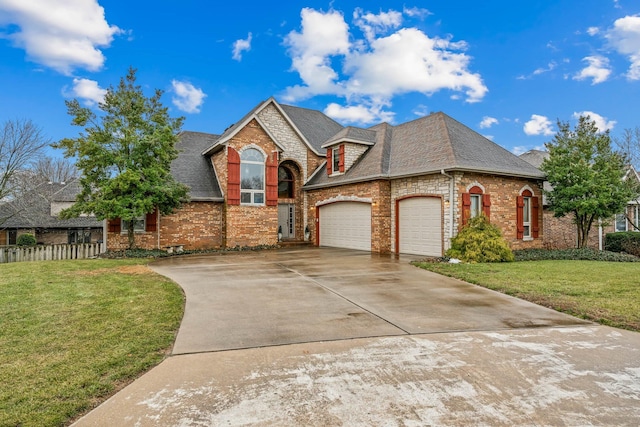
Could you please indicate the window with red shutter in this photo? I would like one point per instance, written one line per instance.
(535, 212)
(519, 217)
(151, 221)
(114, 225)
(272, 180)
(341, 158)
(329, 161)
(474, 203)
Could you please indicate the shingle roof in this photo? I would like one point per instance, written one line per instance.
(33, 210)
(535, 157)
(352, 134)
(314, 125)
(195, 170)
(428, 145)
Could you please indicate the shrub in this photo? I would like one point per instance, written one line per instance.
(632, 246)
(480, 241)
(572, 254)
(616, 242)
(26, 240)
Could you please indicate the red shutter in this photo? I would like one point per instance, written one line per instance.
(535, 209)
(466, 208)
(114, 225)
(272, 179)
(486, 205)
(151, 221)
(233, 177)
(329, 161)
(341, 158)
(520, 217)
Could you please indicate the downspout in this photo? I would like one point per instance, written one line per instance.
(451, 202)
(600, 233)
(158, 226)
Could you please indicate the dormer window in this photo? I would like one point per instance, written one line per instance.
(336, 160)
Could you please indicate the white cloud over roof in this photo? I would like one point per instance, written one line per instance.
(598, 69)
(538, 125)
(601, 122)
(625, 38)
(60, 34)
(487, 122)
(187, 97)
(370, 71)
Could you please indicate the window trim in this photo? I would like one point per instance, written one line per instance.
(124, 228)
(250, 191)
(478, 208)
(526, 218)
(335, 160)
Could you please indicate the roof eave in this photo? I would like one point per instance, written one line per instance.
(349, 140)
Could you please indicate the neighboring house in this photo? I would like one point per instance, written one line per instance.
(561, 232)
(294, 172)
(36, 212)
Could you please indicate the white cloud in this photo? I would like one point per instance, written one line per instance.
(601, 122)
(386, 63)
(88, 91)
(240, 46)
(358, 114)
(187, 97)
(60, 34)
(598, 70)
(416, 12)
(538, 125)
(550, 67)
(592, 31)
(625, 38)
(372, 25)
(487, 122)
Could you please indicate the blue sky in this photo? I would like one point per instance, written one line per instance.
(506, 69)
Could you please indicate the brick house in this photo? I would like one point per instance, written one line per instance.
(293, 173)
(564, 233)
(36, 213)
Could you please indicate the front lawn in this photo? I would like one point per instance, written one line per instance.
(74, 332)
(604, 292)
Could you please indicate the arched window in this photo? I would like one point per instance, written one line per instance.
(527, 211)
(475, 203)
(252, 177)
(285, 183)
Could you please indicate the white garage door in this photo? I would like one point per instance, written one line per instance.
(346, 225)
(420, 226)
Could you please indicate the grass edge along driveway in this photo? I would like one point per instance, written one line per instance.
(603, 292)
(75, 332)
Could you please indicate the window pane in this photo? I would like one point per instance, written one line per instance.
(526, 211)
(527, 231)
(336, 160)
(475, 206)
(252, 155)
(245, 197)
(621, 222)
(258, 198)
(252, 177)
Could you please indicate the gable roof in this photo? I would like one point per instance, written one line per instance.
(429, 145)
(195, 170)
(353, 135)
(33, 209)
(535, 157)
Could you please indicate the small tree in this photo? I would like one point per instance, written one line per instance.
(587, 176)
(480, 241)
(124, 156)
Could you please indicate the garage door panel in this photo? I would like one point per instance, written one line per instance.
(346, 225)
(420, 226)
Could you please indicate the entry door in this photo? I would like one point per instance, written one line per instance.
(287, 220)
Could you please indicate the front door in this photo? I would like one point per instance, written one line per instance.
(286, 220)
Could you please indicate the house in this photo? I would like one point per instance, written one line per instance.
(564, 233)
(294, 173)
(36, 212)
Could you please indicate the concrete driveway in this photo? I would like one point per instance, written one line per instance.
(336, 337)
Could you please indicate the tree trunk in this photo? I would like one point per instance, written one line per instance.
(131, 234)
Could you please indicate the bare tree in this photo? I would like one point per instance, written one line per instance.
(55, 169)
(21, 144)
(629, 145)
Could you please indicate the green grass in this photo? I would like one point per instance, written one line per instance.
(604, 292)
(74, 332)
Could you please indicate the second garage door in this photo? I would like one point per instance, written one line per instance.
(346, 225)
(420, 226)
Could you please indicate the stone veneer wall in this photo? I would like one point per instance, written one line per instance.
(378, 191)
(428, 185)
(504, 191)
(352, 153)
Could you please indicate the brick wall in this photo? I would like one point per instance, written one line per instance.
(561, 232)
(197, 225)
(378, 191)
(503, 191)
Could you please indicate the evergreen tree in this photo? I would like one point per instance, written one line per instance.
(124, 156)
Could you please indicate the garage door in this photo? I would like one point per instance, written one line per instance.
(420, 226)
(346, 225)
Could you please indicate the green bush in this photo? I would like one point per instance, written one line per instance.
(584, 254)
(480, 241)
(26, 240)
(616, 242)
(632, 246)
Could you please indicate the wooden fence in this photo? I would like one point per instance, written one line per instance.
(49, 253)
